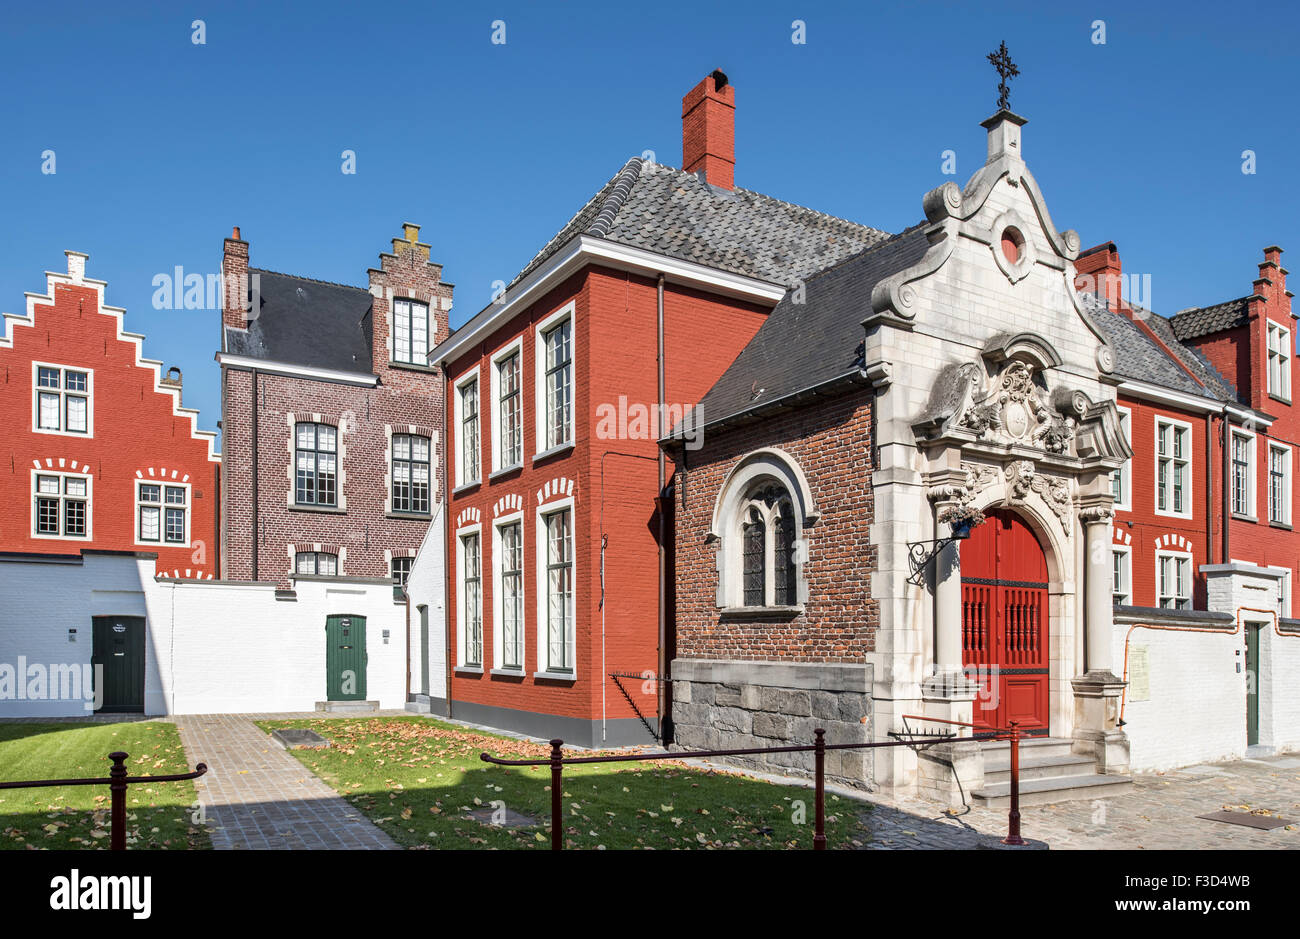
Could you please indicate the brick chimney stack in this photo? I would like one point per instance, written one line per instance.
(1098, 271)
(1272, 281)
(709, 130)
(234, 281)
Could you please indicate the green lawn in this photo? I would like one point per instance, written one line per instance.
(158, 815)
(419, 780)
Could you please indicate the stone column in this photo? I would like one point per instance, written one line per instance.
(946, 770)
(1099, 599)
(1097, 732)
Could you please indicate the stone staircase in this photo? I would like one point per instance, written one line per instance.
(348, 707)
(1049, 773)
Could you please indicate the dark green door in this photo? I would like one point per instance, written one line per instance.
(1252, 684)
(118, 658)
(345, 658)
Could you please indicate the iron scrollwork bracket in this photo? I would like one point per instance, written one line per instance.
(920, 554)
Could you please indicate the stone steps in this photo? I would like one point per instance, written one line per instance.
(348, 707)
(1051, 790)
(997, 769)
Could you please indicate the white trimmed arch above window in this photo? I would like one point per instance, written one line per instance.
(760, 526)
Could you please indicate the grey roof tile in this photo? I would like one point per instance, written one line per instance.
(1202, 321)
(809, 344)
(307, 322)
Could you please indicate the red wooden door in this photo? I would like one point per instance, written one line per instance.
(1004, 622)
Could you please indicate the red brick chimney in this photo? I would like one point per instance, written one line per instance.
(234, 282)
(709, 130)
(1272, 281)
(1098, 271)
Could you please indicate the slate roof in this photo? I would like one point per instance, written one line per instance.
(675, 213)
(1139, 357)
(1201, 321)
(810, 344)
(307, 322)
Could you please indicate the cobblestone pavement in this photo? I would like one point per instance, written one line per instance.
(258, 796)
(1158, 812)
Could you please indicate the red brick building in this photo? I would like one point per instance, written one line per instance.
(558, 551)
(331, 417)
(100, 454)
(1206, 400)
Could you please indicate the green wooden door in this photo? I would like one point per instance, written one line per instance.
(117, 653)
(345, 658)
(1252, 684)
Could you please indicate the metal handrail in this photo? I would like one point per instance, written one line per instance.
(1013, 735)
(557, 761)
(117, 782)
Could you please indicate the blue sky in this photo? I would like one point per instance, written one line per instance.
(162, 145)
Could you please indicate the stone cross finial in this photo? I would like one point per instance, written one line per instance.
(1001, 60)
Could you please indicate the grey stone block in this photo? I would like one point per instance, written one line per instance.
(735, 720)
(727, 695)
(854, 706)
(683, 691)
(776, 726)
(826, 705)
(751, 697)
(794, 703)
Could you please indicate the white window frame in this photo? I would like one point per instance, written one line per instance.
(462, 658)
(540, 411)
(540, 565)
(63, 498)
(1252, 472)
(1125, 557)
(338, 563)
(1125, 473)
(515, 346)
(1279, 350)
(63, 393)
(498, 595)
(1188, 484)
(1275, 447)
(458, 412)
(418, 356)
(1176, 557)
(412, 463)
(162, 505)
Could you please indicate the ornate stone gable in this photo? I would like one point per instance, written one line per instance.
(1013, 409)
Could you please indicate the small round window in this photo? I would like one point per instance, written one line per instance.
(1012, 244)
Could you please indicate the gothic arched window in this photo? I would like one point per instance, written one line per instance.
(760, 524)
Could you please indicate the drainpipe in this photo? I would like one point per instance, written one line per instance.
(1227, 489)
(1209, 489)
(663, 577)
(255, 521)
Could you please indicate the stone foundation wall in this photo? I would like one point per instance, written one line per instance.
(721, 704)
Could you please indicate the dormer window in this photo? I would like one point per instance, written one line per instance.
(410, 332)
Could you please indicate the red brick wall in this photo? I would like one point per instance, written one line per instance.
(135, 430)
(831, 442)
(1142, 525)
(405, 396)
(615, 351)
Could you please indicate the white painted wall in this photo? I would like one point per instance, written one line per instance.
(427, 586)
(1196, 712)
(210, 646)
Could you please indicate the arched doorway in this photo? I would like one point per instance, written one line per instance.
(1004, 584)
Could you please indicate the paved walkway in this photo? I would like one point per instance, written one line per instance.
(1159, 812)
(258, 796)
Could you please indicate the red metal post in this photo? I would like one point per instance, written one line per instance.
(557, 795)
(819, 756)
(117, 799)
(1013, 816)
